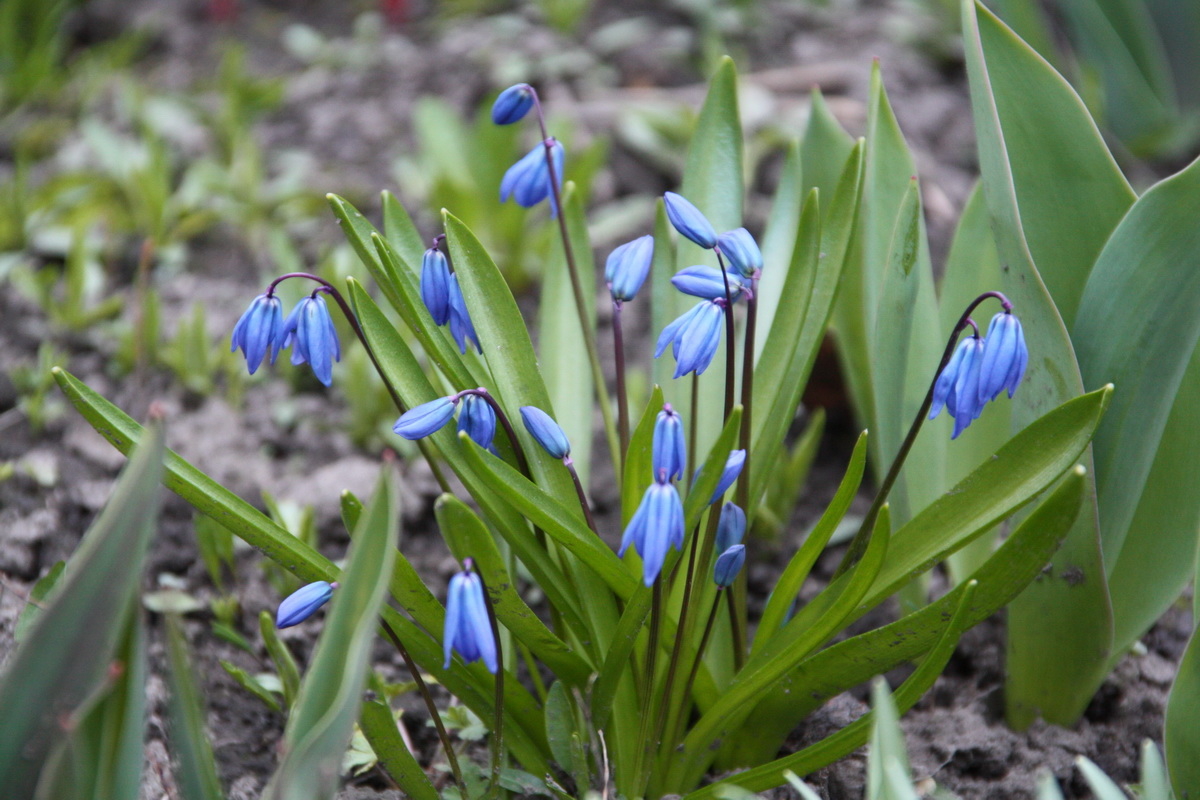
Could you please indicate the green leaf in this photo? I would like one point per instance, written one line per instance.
(252, 685)
(1182, 728)
(779, 241)
(400, 232)
(67, 654)
(39, 597)
(825, 149)
(285, 665)
(379, 725)
(887, 742)
(468, 537)
(638, 460)
(1156, 784)
(197, 774)
(1067, 616)
(322, 720)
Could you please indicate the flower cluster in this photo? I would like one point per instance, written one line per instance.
(980, 369)
(308, 330)
(468, 626)
(477, 418)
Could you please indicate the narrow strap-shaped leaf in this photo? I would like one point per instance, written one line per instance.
(824, 149)
(378, 724)
(779, 241)
(468, 537)
(1182, 728)
(788, 586)
(638, 459)
(285, 664)
(399, 230)
(358, 231)
(68, 652)
(197, 773)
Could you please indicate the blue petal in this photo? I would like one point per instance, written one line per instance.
(627, 267)
(427, 418)
(512, 104)
(697, 342)
(546, 431)
(729, 564)
(670, 334)
(435, 285)
(999, 355)
(689, 220)
(741, 251)
(259, 331)
(944, 385)
(966, 388)
(668, 450)
(731, 527)
(478, 420)
(706, 282)
(300, 604)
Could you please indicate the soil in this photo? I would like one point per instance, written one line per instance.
(353, 121)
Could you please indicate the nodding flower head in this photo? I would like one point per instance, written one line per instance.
(707, 282)
(300, 604)
(435, 285)
(729, 564)
(427, 418)
(628, 266)
(528, 180)
(259, 331)
(656, 527)
(731, 527)
(310, 333)
(689, 221)
(512, 104)
(729, 474)
(693, 337)
(1002, 364)
(477, 418)
(957, 387)
(468, 629)
(668, 451)
(546, 431)
(461, 327)
(741, 251)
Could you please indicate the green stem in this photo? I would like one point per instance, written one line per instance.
(691, 678)
(643, 760)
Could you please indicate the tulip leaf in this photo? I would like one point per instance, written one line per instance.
(379, 725)
(1182, 729)
(474, 687)
(66, 657)
(468, 537)
(193, 752)
(322, 720)
(1062, 614)
(562, 355)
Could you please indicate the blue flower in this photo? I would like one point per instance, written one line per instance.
(547, 432)
(1002, 364)
(731, 527)
(468, 629)
(706, 282)
(300, 604)
(310, 333)
(477, 418)
(957, 388)
(528, 180)
(741, 251)
(427, 418)
(259, 330)
(668, 451)
(435, 285)
(628, 266)
(729, 474)
(694, 337)
(656, 526)
(512, 104)
(461, 327)
(729, 564)
(688, 220)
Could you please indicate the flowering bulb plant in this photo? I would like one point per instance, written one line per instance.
(660, 676)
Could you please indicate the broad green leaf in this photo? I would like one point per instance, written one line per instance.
(39, 597)
(197, 773)
(67, 654)
(779, 241)
(1054, 615)
(468, 537)
(824, 150)
(322, 720)
(854, 735)
(563, 357)
(787, 588)
(474, 687)
(379, 726)
(401, 233)
(358, 231)
(1182, 728)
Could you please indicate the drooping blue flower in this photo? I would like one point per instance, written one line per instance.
(694, 337)
(461, 327)
(731, 527)
(512, 104)
(528, 180)
(300, 604)
(435, 285)
(468, 629)
(546, 431)
(309, 331)
(656, 526)
(628, 266)
(729, 474)
(420, 421)
(729, 564)
(668, 452)
(741, 251)
(259, 331)
(689, 221)
(706, 282)
(1005, 355)
(477, 418)
(957, 387)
